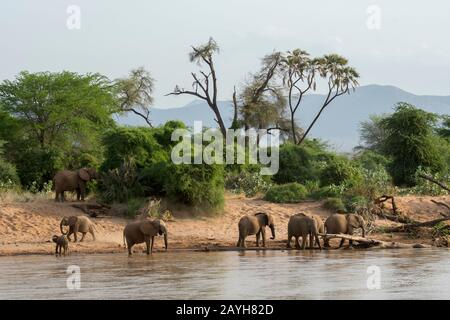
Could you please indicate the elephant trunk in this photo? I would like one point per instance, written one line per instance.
(61, 226)
(272, 228)
(165, 239)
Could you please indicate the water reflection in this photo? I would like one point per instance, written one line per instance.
(259, 274)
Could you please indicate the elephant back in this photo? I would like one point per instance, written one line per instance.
(84, 224)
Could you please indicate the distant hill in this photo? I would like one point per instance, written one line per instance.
(339, 124)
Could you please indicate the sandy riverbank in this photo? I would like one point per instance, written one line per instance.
(27, 227)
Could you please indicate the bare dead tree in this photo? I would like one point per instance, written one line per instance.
(204, 85)
(431, 179)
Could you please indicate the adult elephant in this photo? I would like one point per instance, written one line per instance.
(319, 223)
(343, 223)
(144, 231)
(67, 180)
(255, 225)
(302, 226)
(77, 224)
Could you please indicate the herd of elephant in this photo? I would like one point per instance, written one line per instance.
(300, 225)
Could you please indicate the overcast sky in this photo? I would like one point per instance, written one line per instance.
(401, 43)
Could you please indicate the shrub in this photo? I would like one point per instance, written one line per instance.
(133, 206)
(339, 170)
(354, 203)
(8, 174)
(197, 185)
(290, 192)
(371, 160)
(335, 204)
(295, 164)
(249, 183)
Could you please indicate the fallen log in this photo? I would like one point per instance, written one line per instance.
(409, 226)
(375, 243)
(441, 204)
(431, 179)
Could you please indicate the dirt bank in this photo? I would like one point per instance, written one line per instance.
(27, 227)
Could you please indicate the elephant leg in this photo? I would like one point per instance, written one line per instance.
(263, 234)
(75, 236)
(56, 196)
(238, 244)
(56, 250)
(129, 246)
(78, 194)
(91, 231)
(82, 237)
(82, 191)
(63, 197)
(289, 241)
(350, 243)
(257, 238)
(311, 241)
(341, 243)
(151, 246)
(147, 243)
(304, 239)
(318, 242)
(297, 243)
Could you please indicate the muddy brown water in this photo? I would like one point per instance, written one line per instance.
(404, 274)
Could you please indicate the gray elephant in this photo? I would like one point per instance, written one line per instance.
(343, 223)
(77, 224)
(67, 180)
(255, 225)
(319, 223)
(144, 231)
(302, 226)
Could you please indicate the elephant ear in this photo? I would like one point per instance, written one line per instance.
(265, 217)
(149, 228)
(84, 174)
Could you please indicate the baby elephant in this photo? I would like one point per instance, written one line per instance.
(302, 226)
(61, 243)
(255, 224)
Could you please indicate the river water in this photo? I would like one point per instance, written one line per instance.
(338, 274)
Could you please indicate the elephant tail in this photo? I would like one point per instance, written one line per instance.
(123, 239)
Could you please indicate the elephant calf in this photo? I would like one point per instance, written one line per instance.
(255, 225)
(302, 226)
(144, 231)
(77, 224)
(343, 223)
(61, 243)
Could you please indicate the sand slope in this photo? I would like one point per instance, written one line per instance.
(27, 227)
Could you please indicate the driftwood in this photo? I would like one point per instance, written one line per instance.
(384, 198)
(92, 209)
(369, 243)
(431, 179)
(441, 204)
(409, 226)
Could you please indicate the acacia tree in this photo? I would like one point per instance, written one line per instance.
(134, 93)
(261, 103)
(340, 79)
(204, 85)
(298, 73)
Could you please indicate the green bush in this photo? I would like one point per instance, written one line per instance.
(197, 185)
(339, 170)
(133, 206)
(8, 174)
(249, 183)
(371, 160)
(335, 204)
(289, 193)
(296, 164)
(353, 203)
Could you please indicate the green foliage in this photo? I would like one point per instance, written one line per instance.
(38, 166)
(198, 185)
(163, 133)
(296, 164)
(339, 170)
(133, 206)
(137, 143)
(247, 182)
(371, 160)
(410, 143)
(353, 203)
(120, 184)
(425, 187)
(334, 204)
(287, 193)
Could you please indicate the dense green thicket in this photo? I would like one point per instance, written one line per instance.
(289, 192)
